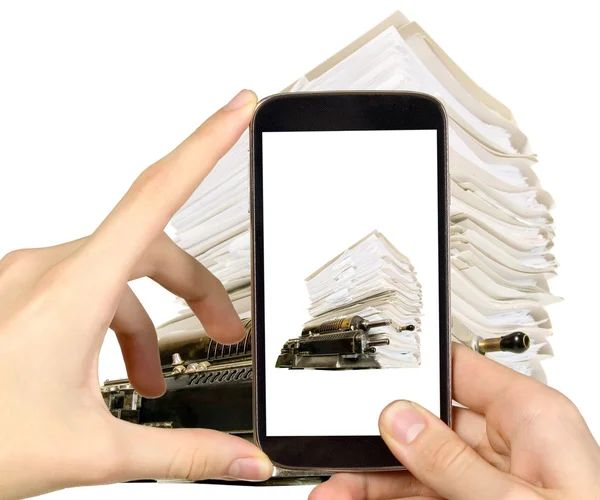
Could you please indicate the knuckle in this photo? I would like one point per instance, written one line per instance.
(150, 183)
(55, 286)
(450, 456)
(563, 406)
(538, 404)
(54, 277)
(562, 411)
(189, 464)
(17, 259)
(552, 406)
(156, 257)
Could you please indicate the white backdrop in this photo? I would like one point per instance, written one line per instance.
(323, 192)
(91, 93)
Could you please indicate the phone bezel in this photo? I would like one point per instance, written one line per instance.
(326, 111)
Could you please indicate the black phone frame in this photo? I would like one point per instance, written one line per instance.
(328, 111)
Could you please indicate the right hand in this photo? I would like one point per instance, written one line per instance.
(518, 439)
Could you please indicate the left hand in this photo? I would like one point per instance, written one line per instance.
(56, 305)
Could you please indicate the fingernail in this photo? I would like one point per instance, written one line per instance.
(403, 421)
(241, 99)
(250, 469)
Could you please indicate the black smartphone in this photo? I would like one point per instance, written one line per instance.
(350, 276)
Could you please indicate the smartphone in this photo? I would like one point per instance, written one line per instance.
(350, 276)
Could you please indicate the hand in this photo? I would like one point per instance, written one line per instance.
(519, 439)
(56, 305)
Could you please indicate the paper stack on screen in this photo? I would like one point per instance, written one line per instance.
(373, 280)
(501, 228)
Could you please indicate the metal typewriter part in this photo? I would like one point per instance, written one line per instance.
(339, 344)
(515, 342)
(207, 382)
(209, 385)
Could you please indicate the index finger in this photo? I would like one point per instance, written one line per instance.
(164, 187)
(478, 382)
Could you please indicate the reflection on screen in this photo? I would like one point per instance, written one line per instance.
(350, 278)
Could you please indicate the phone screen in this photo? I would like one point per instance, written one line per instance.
(351, 278)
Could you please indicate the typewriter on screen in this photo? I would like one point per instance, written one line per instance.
(336, 345)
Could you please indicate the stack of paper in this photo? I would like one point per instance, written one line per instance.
(502, 232)
(372, 279)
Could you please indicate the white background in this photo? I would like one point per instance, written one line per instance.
(323, 192)
(91, 93)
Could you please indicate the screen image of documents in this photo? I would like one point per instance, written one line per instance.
(501, 225)
(365, 312)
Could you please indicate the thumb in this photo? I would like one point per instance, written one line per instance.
(190, 454)
(438, 457)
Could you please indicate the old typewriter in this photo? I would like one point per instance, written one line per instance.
(339, 344)
(209, 385)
